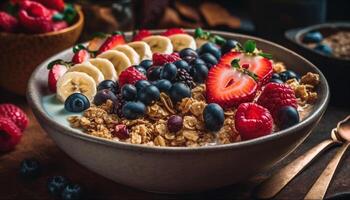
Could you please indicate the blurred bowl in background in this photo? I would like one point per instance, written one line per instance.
(21, 53)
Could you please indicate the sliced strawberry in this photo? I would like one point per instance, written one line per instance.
(95, 43)
(80, 56)
(111, 42)
(54, 74)
(229, 87)
(141, 34)
(173, 31)
(260, 66)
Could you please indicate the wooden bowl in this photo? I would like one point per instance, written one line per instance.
(21, 53)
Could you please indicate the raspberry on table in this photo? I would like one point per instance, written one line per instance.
(15, 114)
(10, 134)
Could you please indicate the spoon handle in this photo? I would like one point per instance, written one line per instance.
(319, 188)
(270, 187)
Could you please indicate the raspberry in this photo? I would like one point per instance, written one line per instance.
(14, 113)
(7, 22)
(35, 24)
(161, 59)
(53, 4)
(141, 34)
(130, 75)
(36, 9)
(276, 95)
(121, 131)
(10, 134)
(253, 121)
(173, 31)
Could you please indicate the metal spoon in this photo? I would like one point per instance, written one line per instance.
(319, 188)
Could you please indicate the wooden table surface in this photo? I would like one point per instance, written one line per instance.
(35, 143)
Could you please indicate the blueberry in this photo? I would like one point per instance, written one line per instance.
(108, 84)
(179, 91)
(153, 73)
(188, 52)
(199, 72)
(140, 69)
(229, 44)
(133, 110)
(146, 64)
(276, 76)
(103, 95)
(197, 61)
(213, 116)
(275, 80)
(288, 74)
(78, 102)
(287, 116)
(169, 72)
(72, 192)
(325, 49)
(209, 59)
(210, 48)
(181, 64)
(30, 168)
(314, 36)
(141, 84)
(174, 123)
(129, 92)
(189, 59)
(56, 184)
(148, 94)
(163, 85)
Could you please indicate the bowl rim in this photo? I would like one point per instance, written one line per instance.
(34, 100)
(70, 28)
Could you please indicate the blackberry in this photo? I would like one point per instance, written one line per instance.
(184, 77)
(118, 105)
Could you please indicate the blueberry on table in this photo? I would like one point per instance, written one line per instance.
(78, 102)
(188, 52)
(229, 44)
(72, 192)
(163, 85)
(213, 116)
(56, 184)
(169, 72)
(179, 91)
(287, 75)
(148, 94)
(30, 168)
(140, 69)
(108, 84)
(199, 72)
(210, 48)
(209, 59)
(129, 92)
(103, 95)
(314, 36)
(153, 73)
(325, 49)
(181, 64)
(146, 64)
(133, 110)
(141, 84)
(174, 123)
(287, 116)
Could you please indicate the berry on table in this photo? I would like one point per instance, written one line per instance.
(108, 84)
(174, 123)
(148, 94)
(228, 46)
(130, 75)
(141, 84)
(146, 64)
(10, 134)
(72, 192)
(17, 115)
(210, 48)
(121, 131)
(56, 184)
(213, 116)
(168, 72)
(179, 91)
(287, 116)
(77, 102)
(209, 59)
(129, 92)
(30, 168)
(253, 121)
(103, 95)
(133, 110)
(313, 36)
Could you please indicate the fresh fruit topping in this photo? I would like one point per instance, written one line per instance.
(141, 69)
(288, 74)
(207, 36)
(146, 64)
(142, 49)
(109, 85)
(106, 68)
(141, 84)
(169, 72)
(54, 74)
(153, 73)
(208, 59)
(253, 121)
(76, 102)
(274, 96)
(119, 60)
(181, 64)
(159, 44)
(72, 192)
(10, 134)
(174, 123)
(199, 72)
(35, 24)
(184, 77)
(129, 92)
(182, 41)
(161, 59)
(188, 52)
(179, 91)
(53, 4)
(88, 69)
(324, 48)
(313, 36)
(227, 86)
(30, 168)
(213, 116)
(287, 116)
(103, 95)
(229, 45)
(143, 33)
(197, 61)
(133, 110)
(8, 23)
(130, 75)
(111, 42)
(56, 185)
(163, 85)
(129, 52)
(96, 42)
(211, 49)
(80, 56)
(121, 131)
(258, 65)
(275, 80)
(173, 31)
(148, 94)
(118, 105)
(14, 113)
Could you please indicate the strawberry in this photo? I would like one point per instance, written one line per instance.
(130, 75)
(8, 23)
(10, 134)
(95, 43)
(35, 24)
(275, 96)
(229, 87)
(53, 4)
(111, 42)
(258, 65)
(253, 121)
(141, 34)
(161, 59)
(54, 74)
(14, 113)
(173, 31)
(80, 56)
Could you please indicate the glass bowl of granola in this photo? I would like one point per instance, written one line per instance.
(177, 110)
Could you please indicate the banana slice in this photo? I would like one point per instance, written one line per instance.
(75, 82)
(142, 48)
(106, 67)
(182, 41)
(117, 58)
(130, 52)
(159, 44)
(90, 70)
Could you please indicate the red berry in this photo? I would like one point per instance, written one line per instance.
(80, 56)
(141, 34)
(35, 24)
(36, 9)
(173, 31)
(8, 23)
(54, 74)
(14, 113)
(111, 42)
(53, 4)
(253, 121)
(121, 131)
(130, 75)
(276, 95)
(59, 25)
(161, 59)
(229, 87)
(10, 134)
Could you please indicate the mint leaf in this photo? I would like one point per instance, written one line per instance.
(219, 40)
(69, 14)
(78, 47)
(198, 33)
(235, 63)
(266, 55)
(58, 17)
(249, 46)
